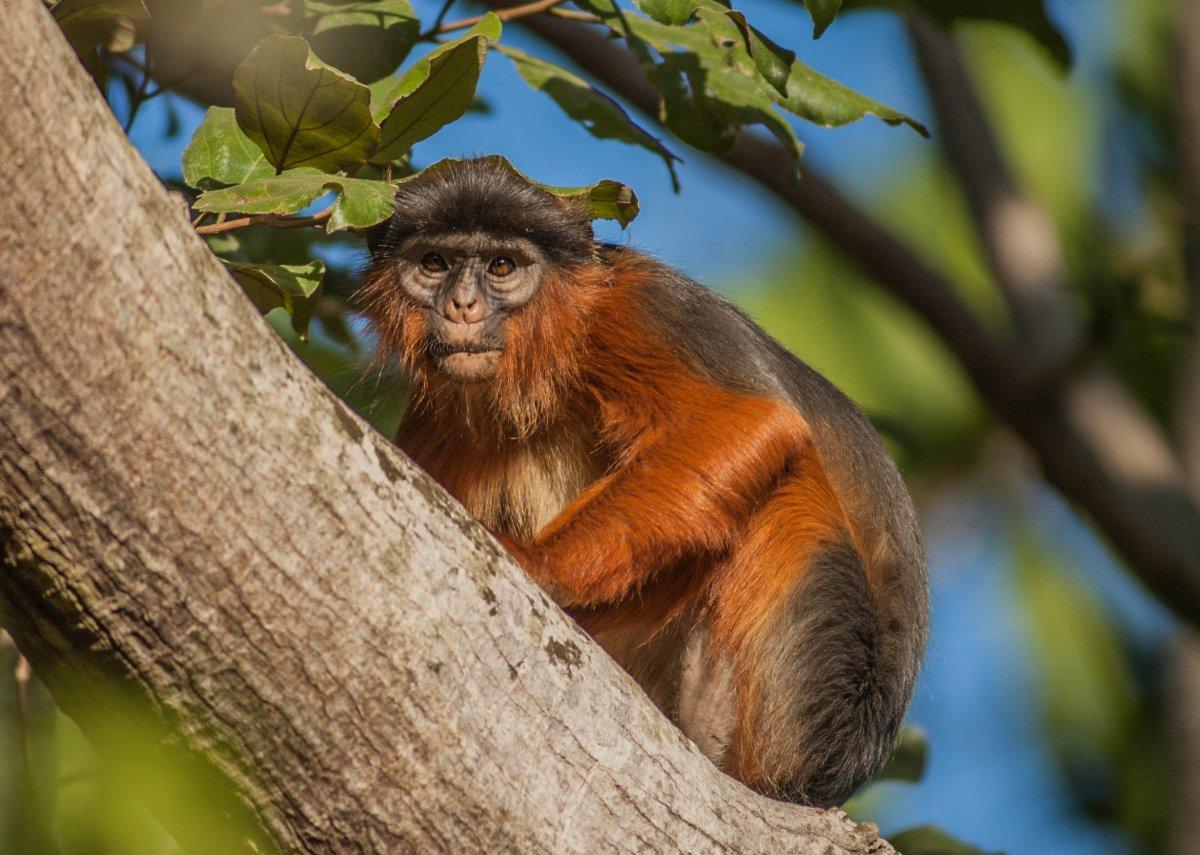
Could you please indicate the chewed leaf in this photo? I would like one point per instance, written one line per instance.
(301, 112)
(295, 288)
(604, 200)
(438, 89)
(360, 202)
(603, 117)
(729, 26)
(220, 154)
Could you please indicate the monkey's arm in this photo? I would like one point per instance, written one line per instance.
(682, 489)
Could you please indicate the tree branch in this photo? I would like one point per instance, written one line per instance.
(1188, 108)
(1018, 238)
(184, 506)
(510, 13)
(1094, 442)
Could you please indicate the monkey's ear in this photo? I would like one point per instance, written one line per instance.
(376, 235)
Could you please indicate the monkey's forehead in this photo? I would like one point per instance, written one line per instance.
(476, 198)
(478, 242)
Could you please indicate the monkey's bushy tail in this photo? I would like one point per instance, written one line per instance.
(851, 666)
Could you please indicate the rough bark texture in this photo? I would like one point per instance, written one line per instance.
(182, 503)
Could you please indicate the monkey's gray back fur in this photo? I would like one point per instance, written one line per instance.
(850, 657)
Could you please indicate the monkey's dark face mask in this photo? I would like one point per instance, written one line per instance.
(468, 284)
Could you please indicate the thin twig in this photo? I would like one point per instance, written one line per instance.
(441, 16)
(575, 15)
(139, 98)
(275, 221)
(510, 14)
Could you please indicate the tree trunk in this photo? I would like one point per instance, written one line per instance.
(183, 505)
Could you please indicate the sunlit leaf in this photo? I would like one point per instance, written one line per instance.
(931, 840)
(908, 761)
(301, 112)
(295, 288)
(729, 26)
(822, 12)
(220, 154)
(601, 115)
(366, 38)
(704, 95)
(435, 91)
(604, 200)
(668, 11)
(360, 202)
(1028, 15)
(823, 101)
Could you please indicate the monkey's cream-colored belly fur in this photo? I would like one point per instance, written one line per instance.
(524, 490)
(526, 486)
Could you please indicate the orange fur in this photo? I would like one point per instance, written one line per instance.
(688, 464)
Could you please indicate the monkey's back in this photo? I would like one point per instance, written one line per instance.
(721, 343)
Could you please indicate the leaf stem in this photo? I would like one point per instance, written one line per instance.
(535, 8)
(275, 221)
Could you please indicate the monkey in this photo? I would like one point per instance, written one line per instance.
(720, 518)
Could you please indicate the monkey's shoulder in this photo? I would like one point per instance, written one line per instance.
(721, 343)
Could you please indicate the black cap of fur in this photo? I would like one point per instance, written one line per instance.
(486, 194)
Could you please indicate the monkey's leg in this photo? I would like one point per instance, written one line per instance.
(792, 616)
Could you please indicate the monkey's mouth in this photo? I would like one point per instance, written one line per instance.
(466, 361)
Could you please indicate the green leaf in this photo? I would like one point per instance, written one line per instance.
(603, 117)
(822, 12)
(301, 112)
(220, 154)
(436, 90)
(366, 38)
(360, 202)
(711, 82)
(910, 758)
(668, 11)
(931, 840)
(704, 95)
(823, 101)
(728, 26)
(772, 61)
(295, 288)
(1027, 15)
(604, 200)
(88, 24)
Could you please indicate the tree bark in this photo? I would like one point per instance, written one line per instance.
(183, 505)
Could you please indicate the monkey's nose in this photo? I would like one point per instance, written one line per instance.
(464, 310)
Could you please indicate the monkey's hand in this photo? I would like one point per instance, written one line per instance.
(527, 557)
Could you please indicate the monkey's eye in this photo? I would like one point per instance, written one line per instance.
(434, 263)
(502, 267)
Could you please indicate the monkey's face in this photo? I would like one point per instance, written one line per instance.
(468, 285)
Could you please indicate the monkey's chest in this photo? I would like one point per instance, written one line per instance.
(523, 487)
